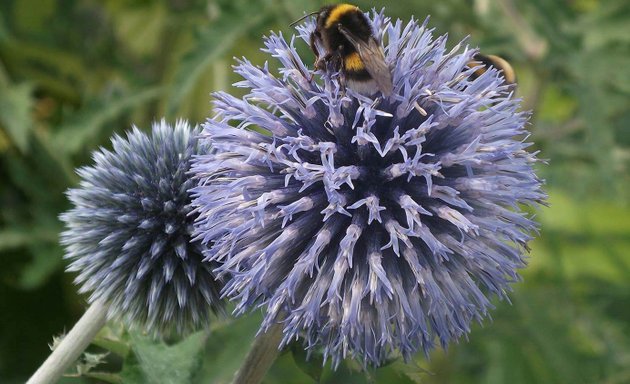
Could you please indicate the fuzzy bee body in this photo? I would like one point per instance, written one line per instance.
(351, 48)
(487, 61)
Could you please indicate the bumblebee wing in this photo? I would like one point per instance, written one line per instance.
(372, 56)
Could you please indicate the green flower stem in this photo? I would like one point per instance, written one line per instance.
(72, 345)
(260, 357)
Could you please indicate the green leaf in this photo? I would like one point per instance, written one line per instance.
(411, 370)
(92, 122)
(285, 366)
(18, 238)
(89, 361)
(46, 260)
(215, 41)
(226, 348)
(33, 15)
(140, 28)
(112, 378)
(48, 68)
(4, 33)
(16, 104)
(556, 106)
(156, 362)
(107, 340)
(132, 371)
(313, 367)
(606, 26)
(42, 176)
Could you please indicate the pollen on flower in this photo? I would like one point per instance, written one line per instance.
(368, 226)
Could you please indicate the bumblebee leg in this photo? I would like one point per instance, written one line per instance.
(342, 84)
(322, 62)
(313, 44)
(313, 39)
(342, 70)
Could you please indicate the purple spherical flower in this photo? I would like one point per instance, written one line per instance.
(368, 225)
(129, 233)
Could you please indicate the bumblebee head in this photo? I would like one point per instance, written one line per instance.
(323, 15)
(329, 15)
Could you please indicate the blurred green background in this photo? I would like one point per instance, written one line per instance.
(73, 72)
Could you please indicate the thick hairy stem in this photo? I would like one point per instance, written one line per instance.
(260, 357)
(72, 345)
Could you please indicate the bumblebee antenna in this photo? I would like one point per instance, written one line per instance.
(303, 17)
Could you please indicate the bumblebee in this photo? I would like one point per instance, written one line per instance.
(350, 48)
(509, 76)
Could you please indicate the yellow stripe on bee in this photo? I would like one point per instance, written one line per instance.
(339, 11)
(501, 64)
(353, 62)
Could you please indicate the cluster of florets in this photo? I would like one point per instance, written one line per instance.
(367, 224)
(128, 236)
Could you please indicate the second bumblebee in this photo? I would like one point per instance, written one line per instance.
(484, 62)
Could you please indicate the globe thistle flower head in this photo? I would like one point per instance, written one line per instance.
(128, 235)
(369, 226)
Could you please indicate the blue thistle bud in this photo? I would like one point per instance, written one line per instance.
(368, 226)
(129, 234)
